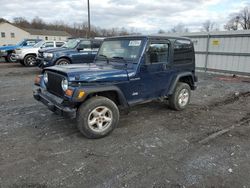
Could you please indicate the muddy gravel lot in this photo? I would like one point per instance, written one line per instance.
(207, 145)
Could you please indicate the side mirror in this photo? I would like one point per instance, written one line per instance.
(146, 58)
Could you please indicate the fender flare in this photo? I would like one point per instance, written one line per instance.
(177, 78)
(98, 89)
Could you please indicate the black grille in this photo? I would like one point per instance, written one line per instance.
(54, 84)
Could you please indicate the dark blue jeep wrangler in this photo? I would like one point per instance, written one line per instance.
(74, 51)
(126, 71)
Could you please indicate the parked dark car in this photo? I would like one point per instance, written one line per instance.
(6, 51)
(127, 71)
(74, 51)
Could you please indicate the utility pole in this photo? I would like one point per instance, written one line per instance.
(88, 20)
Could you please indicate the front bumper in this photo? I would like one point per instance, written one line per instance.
(42, 63)
(17, 56)
(54, 103)
(3, 54)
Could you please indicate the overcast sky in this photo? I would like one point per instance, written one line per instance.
(146, 16)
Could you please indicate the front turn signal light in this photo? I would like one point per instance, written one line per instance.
(80, 94)
(69, 92)
(37, 80)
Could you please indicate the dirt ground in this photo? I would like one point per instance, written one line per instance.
(206, 145)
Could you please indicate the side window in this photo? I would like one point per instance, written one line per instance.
(158, 52)
(12, 35)
(183, 51)
(25, 43)
(59, 44)
(86, 44)
(96, 44)
(30, 43)
(48, 45)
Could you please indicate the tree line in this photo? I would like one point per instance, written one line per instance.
(75, 30)
(236, 21)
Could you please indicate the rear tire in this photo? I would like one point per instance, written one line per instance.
(181, 96)
(62, 61)
(29, 60)
(97, 117)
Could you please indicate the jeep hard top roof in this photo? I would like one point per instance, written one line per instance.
(81, 39)
(160, 36)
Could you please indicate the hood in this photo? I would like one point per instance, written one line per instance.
(92, 72)
(53, 50)
(8, 47)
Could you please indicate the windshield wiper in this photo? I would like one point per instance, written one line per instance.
(107, 59)
(121, 58)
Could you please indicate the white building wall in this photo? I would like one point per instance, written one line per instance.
(20, 34)
(7, 28)
(50, 38)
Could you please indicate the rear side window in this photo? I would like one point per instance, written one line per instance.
(59, 44)
(49, 45)
(85, 44)
(29, 43)
(96, 44)
(183, 51)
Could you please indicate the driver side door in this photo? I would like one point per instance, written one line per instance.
(83, 52)
(155, 73)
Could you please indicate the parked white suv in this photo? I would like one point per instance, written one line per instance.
(27, 56)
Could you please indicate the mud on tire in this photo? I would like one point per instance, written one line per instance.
(181, 96)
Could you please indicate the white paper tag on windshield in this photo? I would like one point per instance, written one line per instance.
(134, 43)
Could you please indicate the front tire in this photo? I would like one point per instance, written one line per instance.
(62, 61)
(21, 62)
(10, 59)
(97, 117)
(29, 60)
(181, 96)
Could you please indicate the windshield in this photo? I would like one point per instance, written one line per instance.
(71, 44)
(20, 43)
(39, 44)
(122, 48)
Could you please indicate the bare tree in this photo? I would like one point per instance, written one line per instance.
(179, 28)
(38, 23)
(76, 29)
(3, 20)
(240, 20)
(245, 18)
(161, 31)
(208, 26)
(21, 22)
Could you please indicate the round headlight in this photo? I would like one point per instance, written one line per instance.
(64, 84)
(45, 77)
